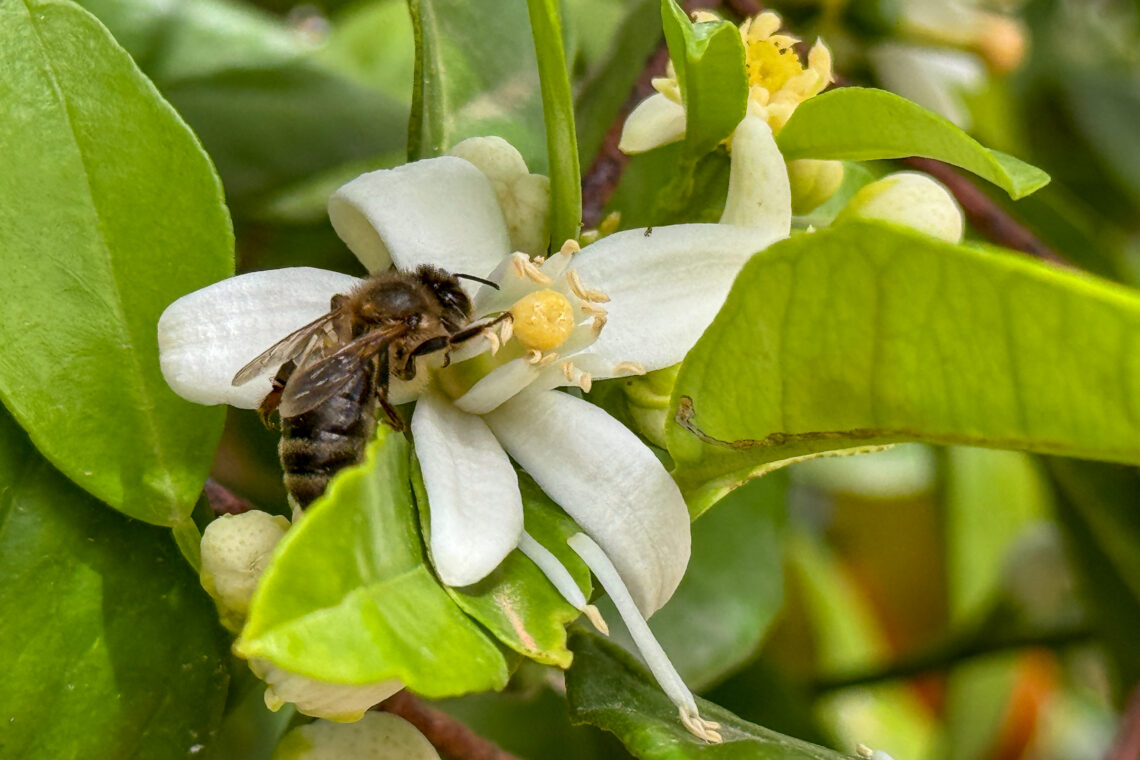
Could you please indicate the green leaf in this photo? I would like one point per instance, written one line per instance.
(609, 689)
(1096, 506)
(879, 124)
(732, 588)
(709, 60)
(476, 75)
(516, 602)
(348, 599)
(558, 114)
(111, 649)
(865, 334)
(109, 210)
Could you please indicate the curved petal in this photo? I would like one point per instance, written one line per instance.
(498, 386)
(440, 211)
(205, 337)
(473, 492)
(656, 121)
(665, 286)
(608, 481)
(759, 194)
(935, 78)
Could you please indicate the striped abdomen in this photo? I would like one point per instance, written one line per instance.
(319, 443)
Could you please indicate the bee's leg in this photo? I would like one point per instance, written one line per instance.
(429, 346)
(475, 331)
(380, 388)
(270, 403)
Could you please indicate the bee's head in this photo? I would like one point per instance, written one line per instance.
(446, 288)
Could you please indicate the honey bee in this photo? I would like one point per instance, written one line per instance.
(334, 371)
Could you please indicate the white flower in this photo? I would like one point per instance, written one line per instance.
(913, 200)
(936, 78)
(633, 301)
(777, 83)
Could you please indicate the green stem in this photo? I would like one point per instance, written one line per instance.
(558, 113)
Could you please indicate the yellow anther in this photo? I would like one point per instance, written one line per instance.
(534, 356)
(543, 320)
(575, 282)
(506, 330)
(597, 325)
(622, 369)
(592, 310)
(585, 381)
(492, 341)
(568, 370)
(570, 247)
(536, 274)
(547, 360)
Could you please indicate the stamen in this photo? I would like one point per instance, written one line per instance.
(570, 247)
(560, 578)
(493, 340)
(536, 274)
(651, 651)
(539, 260)
(534, 356)
(628, 368)
(547, 360)
(592, 309)
(506, 329)
(575, 282)
(518, 263)
(585, 382)
(598, 324)
(568, 370)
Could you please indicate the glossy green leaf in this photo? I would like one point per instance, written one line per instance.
(732, 588)
(111, 649)
(709, 60)
(476, 75)
(880, 124)
(1096, 506)
(867, 334)
(609, 689)
(558, 114)
(515, 602)
(348, 598)
(109, 210)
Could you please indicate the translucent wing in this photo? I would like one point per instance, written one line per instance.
(291, 346)
(312, 385)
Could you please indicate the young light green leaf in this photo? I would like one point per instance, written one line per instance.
(865, 334)
(476, 74)
(348, 599)
(878, 124)
(516, 602)
(112, 651)
(109, 210)
(607, 688)
(732, 589)
(709, 60)
(558, 114)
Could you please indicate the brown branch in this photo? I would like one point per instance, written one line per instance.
(224, 501)
(1126, 746)
(985, 215)
(448, 735)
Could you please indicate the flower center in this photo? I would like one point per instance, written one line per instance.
(770, 65)
(543, 319)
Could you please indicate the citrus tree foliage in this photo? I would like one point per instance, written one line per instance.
(152, 149)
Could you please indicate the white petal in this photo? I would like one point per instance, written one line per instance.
(608, 481)
(935, 78)
(759, 194)
(321, 699)
(656, 121)
(664, 287)
(205, 337)
(440, 211)
(376, 736)
(473, 492)
(498, 386)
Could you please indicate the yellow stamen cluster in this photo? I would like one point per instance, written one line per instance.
(542, 320)
(778, 81)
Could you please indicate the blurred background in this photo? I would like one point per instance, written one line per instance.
(938, 604)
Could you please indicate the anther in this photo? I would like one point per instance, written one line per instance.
(570, 247)
(622, 369)
(585, 382)
(597, 325)
(534, 356)
(592, 309)
(506, 329)
(536, 274)
(596, 619)
(518, 263)
(547, 360)
(492, 340)
(568, 370)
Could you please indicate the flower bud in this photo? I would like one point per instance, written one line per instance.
(647, 398)
(342, 703)
(523, 197)
(377, 736)
(813, 182)
(235, 551)
(912, 200)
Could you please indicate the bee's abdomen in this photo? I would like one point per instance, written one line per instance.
(316, 445)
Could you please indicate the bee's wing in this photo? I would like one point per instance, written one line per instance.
(316, 383)
(290, 347)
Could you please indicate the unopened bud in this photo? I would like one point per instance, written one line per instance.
(523, 197)
(1002, 42)
(910, 199)
(376, 736)
(647, 398)
(342, 703)
(813, 182)
(235, 551)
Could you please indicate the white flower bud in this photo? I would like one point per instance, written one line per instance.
(813, 182)
(235, 551)
(910, 199)
(523, 197)
(343, 703)
(377, 736)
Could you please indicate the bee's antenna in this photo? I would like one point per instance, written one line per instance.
(477, 279)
